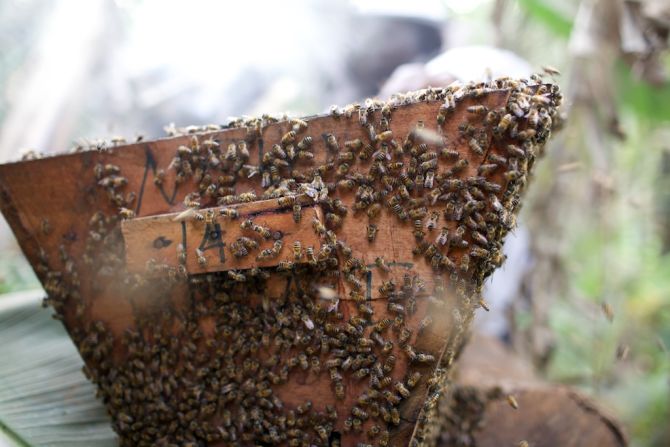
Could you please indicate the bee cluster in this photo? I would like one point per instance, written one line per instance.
(219, 369)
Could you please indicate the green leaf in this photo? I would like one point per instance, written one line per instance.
(552, 18)
(646, 100)
(45, 400)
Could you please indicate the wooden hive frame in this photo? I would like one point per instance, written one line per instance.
(191, 349)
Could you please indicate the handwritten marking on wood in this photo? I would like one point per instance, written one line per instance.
(159, 238)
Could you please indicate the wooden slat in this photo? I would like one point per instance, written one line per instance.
(157, 239)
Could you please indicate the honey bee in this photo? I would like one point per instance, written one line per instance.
(264, 232)
(478, 110)
(551, 71)
(126, 213)
(285, 266)
(297, 250)
(366, 153)
(288, 138)
(371, 232)
(270, 253)
(317, 226)
(381, 325)
(247, 197)
(333, 220)
(511, 400)
(432, 221)
(607, 311)
(448, 153)
(457, 167)
(533, 117)
(465, 263)
(277, 151)
(425, 358)
(374, 210)
(335, 112)
(413, 379)
(331, 142)
(515, 151)
(200, 256)
(353, 145)
(381, 264)
(475, 147)
(298, 124)
(230, 213)
(297, 212)
(504, 123)
(402, 389)
(384, 136)
(244, 150)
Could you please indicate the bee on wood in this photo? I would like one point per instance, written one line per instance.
(366, 151)
(331, 142)
(432, 221)
(504, 124)
(374, 210)
(298, 124)
(381, 264)
(126, 213)
(264, 232)
(478, 110)
(335, 112)
(230, 213)
(297, 250)
(425, 358)
(413, 379)
(465, 263)
(449, 154)
(515, 151)
(371, 232)
(247, 197)
(353, 145)
(200, 256)
(402, 389)
(475, 147)
(384, 136)
(318, 227)
(288, 137)
(333, 220)
(386, 288)
(297, 212)
(277, 151)
(457, 167)
(285, 266)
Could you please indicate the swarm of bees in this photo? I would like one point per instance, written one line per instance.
(180, 386)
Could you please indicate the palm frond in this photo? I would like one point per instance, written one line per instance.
(45, 400)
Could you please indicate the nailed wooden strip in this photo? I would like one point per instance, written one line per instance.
(157, 240)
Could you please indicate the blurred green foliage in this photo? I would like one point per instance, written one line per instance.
(613, 249)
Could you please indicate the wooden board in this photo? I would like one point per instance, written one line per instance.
(157, 239)
(54, 206)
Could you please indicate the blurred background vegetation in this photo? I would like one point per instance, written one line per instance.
(597, 218)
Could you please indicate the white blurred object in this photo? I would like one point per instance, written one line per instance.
(469, 63)
(478, 63)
